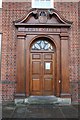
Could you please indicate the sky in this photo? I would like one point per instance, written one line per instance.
(0, 3)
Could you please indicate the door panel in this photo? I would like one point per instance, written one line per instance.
(41, 74)
(48, 84)
(48, 56)
(36, 67)
(36, 85)
(36, 56)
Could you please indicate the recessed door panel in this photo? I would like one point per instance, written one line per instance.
(48, 56)
(36, 56)
(36, 85)
(48, 84)
(36, 67)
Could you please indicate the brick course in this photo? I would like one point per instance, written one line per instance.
(12, 11)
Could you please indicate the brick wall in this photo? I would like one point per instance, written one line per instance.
(0, 20)
(17, 10)
(79, 48)
(11, 12)
(0, 54)
(70, 12)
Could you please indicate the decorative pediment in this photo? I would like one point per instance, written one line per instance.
(43, 17)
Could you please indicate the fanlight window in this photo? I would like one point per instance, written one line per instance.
(42, 45)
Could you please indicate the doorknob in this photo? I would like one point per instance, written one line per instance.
(59, 81)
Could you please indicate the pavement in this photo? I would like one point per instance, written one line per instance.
(33, 111)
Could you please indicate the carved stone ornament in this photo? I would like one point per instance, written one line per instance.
(42, 17)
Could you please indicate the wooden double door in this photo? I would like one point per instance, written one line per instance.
(42, 73)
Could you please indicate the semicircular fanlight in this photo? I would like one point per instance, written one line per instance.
(42, 45)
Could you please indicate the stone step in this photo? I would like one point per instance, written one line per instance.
(41, 100)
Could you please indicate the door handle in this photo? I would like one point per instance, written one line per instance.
(59, 81)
